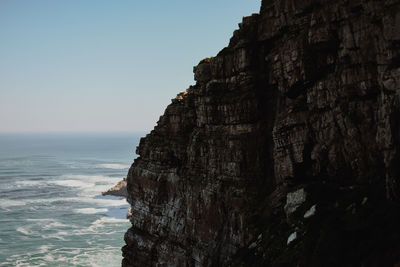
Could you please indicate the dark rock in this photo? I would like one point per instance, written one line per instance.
(304, 99)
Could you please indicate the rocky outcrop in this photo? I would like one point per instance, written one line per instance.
(286, 150)
(118, 190)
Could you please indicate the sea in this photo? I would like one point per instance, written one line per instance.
(52, 212)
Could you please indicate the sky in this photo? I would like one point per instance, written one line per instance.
(104, 66)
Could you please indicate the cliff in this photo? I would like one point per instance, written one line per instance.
(286, 150)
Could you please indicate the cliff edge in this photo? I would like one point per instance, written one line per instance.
(286, 150)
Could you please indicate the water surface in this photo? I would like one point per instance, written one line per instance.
(52, 212)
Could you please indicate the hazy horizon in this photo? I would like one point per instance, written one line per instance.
(78, 132)
(101, 66)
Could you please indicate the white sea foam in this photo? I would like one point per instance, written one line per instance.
(107, 220)
(101, 201)
(92, 185)
(72, 183)
(91, 210)
(24, 231)
(99, 223)
(49, 258)
(59, 235)
(54, 224)
(90, 178)
(104, 225)
(48, 254)
(51, 194)
(40, 220)
(107, 256)
(103, 220)
(7, 203)
(47, 224)
(107, 202)
(114, 166)
(44, 248)
(29, 183)
(88, 185)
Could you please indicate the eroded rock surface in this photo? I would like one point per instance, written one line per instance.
(305, 97)
(118, 190)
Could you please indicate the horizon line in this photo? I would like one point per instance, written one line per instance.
(74, 132)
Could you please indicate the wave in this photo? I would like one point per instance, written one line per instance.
(114, 166)
(49, 224)
(72, 183)
(60, 235)
(95, 257)
(6, 203)
(101, 201)
(85, 177)
(105, 226)
(88, 191)
(40, 220)
(86, 187)
(99, 230)
(44, 248)
(89, 185)
(30, 183)
(99, 223)
(24, 231)
(90, 179)
(103, 220)
(91, 210)
(55, 224)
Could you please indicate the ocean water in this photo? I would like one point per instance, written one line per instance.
(52, 212)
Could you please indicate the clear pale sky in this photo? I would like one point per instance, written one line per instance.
(104, 66)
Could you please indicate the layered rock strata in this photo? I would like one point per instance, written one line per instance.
(286, 150)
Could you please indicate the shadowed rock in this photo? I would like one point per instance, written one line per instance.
(290, 134)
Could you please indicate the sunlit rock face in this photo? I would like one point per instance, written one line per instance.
(292, 128)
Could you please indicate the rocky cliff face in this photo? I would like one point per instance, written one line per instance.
(286, 150)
